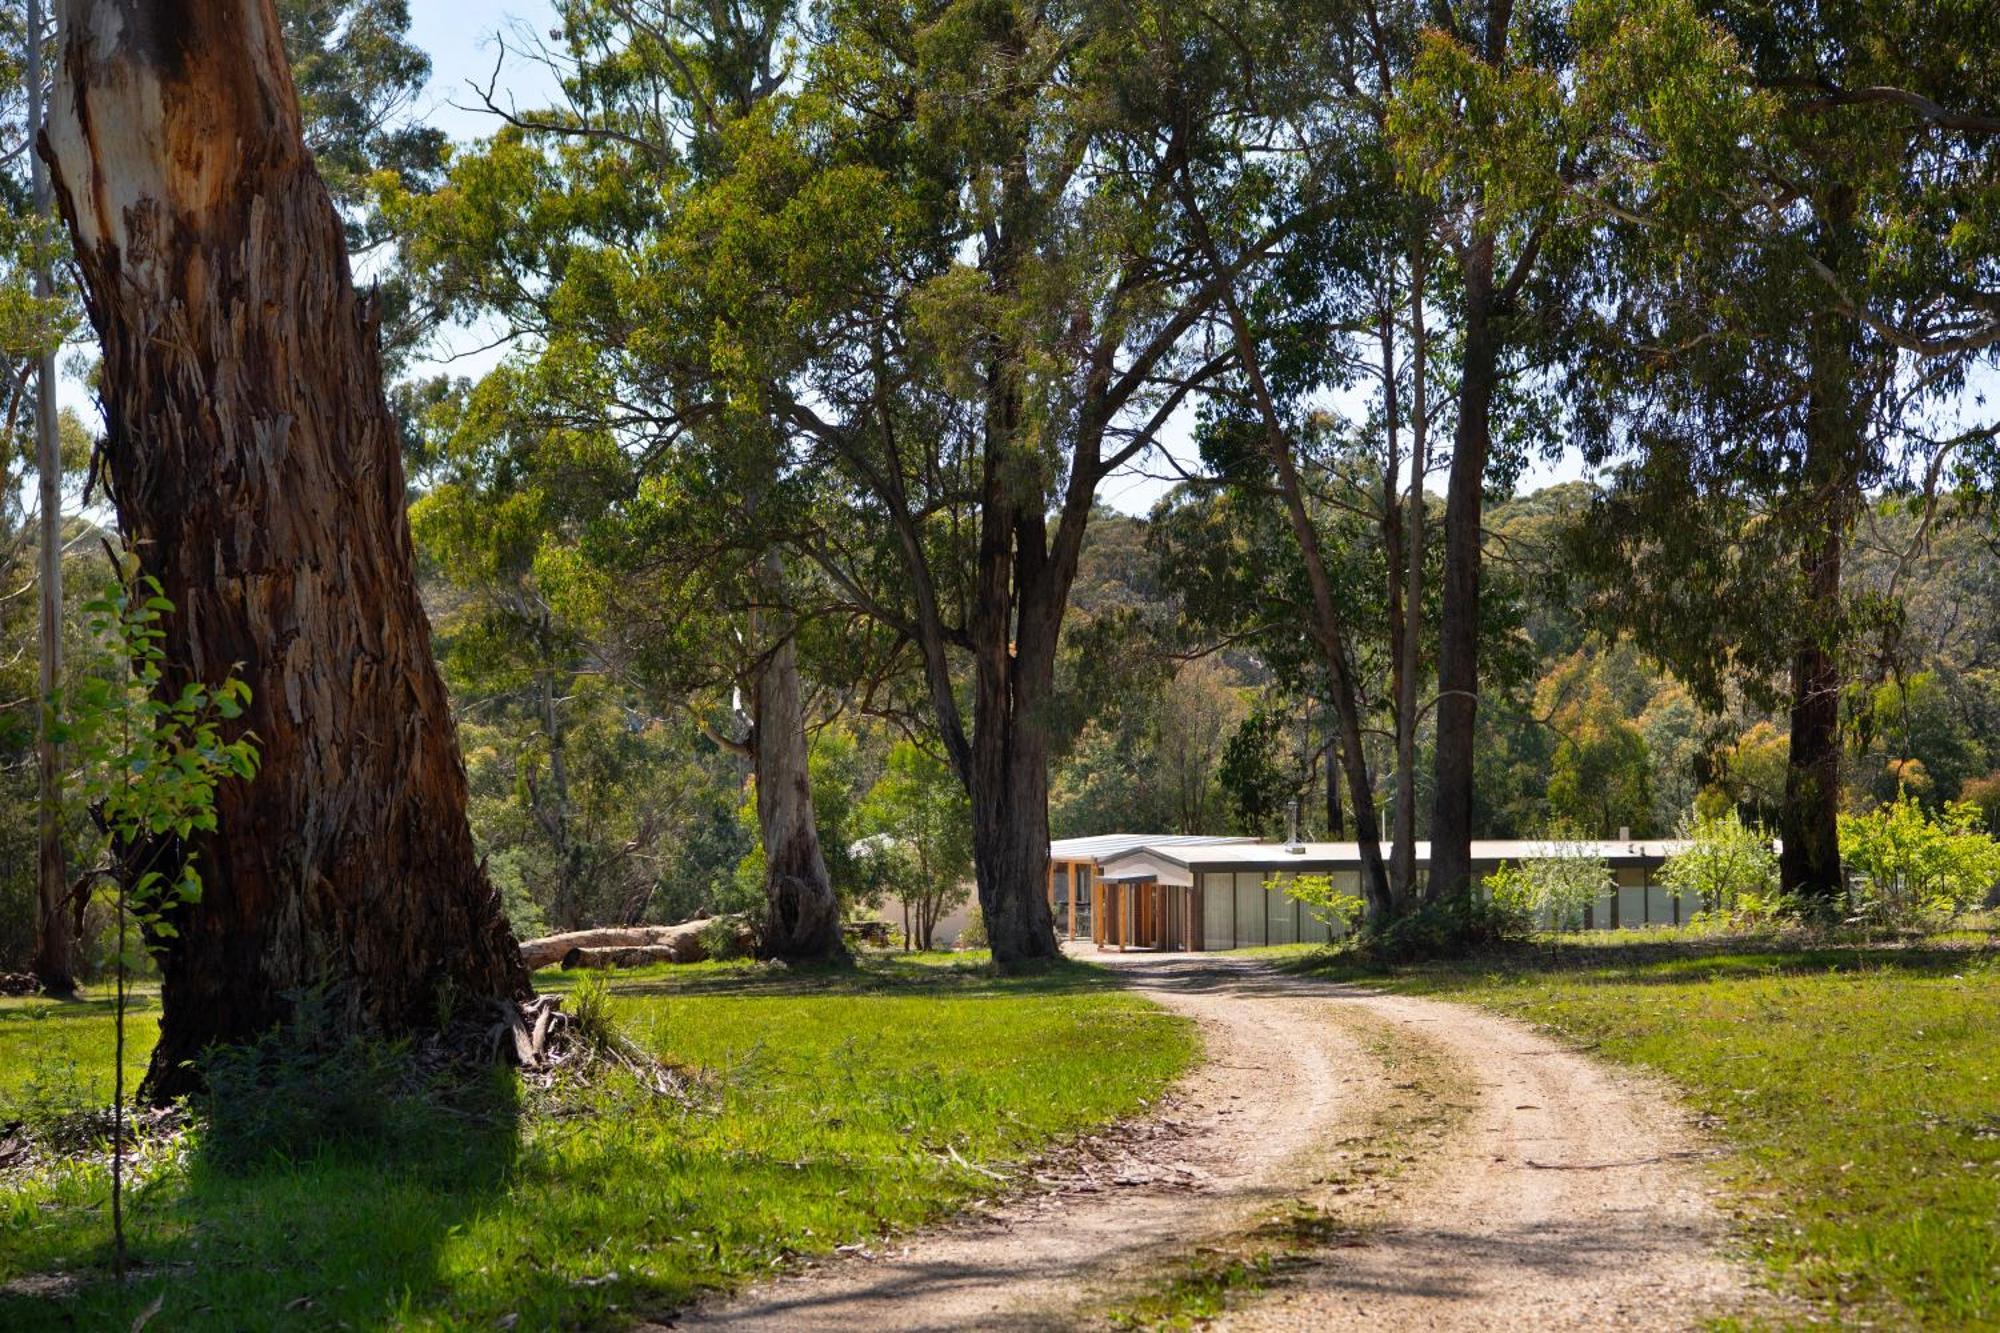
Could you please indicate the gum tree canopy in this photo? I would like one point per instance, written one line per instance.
(256, 472)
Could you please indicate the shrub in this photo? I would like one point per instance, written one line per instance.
(1454, 928)
(974, 934)
(1557, 886)
(305, 1086)
(1729, 866)
(1335, 908)
(588, 1005)
(726, 939)
(1917, 869)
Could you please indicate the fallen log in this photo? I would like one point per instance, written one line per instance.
(638, 945)
(635, 955)
(550, 949)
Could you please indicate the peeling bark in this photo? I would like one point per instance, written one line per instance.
(257, 475)
(801, 914)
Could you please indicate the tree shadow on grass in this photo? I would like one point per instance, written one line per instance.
(344, 1231)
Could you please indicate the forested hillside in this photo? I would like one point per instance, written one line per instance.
(598, 800)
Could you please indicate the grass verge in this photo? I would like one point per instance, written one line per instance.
(839, 1101)
(1857, 1088)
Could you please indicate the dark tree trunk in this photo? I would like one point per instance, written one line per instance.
(1808, 820)
(257, 475)
(1013, 683)
(1336, 819)
(1458, 616)
(801, 913)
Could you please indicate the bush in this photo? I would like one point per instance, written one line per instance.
(1335, 908)
(727, 938)
(1558, 887)
(1916, 869)
(1730, 867)
(304, 1087)
(1454, 928)
(588, 1005)
(974, 934)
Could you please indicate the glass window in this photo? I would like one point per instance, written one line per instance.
(1659, 906)
(1281, 915)
(1083, 887)
(1218, 912)
(1249, 909)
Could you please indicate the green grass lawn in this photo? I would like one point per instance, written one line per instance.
(1858, 1090)
(836, 1103)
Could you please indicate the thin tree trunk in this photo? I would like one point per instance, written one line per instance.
(1403, 838)
(1329, 630)
(1458, 617)
(54, 965)
(257, 475)
(1336, 821)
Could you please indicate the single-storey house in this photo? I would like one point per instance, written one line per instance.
(1133, 891)
(1076, 872)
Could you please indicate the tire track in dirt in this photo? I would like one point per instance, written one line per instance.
(1514, 1218)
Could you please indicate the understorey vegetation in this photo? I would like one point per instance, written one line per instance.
(816, 1110)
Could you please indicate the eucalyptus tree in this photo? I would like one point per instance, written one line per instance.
(1033, 314)
(1340, 311)
(257, 476)
(1480, 127)
(597, 234)
(1805, 275)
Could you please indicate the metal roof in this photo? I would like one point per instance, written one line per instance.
(1118, 844)
(1242, 853)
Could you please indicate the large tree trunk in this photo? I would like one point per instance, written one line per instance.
(802, 916)
(1458, 616)
(257, 476)
(1013, 685)
(1808, 821)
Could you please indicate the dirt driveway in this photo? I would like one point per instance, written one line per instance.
(1463, 1172)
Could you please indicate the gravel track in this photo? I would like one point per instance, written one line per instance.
(1548, 1193)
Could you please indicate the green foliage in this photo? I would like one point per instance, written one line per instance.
(1920, 867)
(1455, 927)
(974, 934)
(1728, 864)
(1250, 773)
(725, 939)
(1551, 889)
(588, 1005)
(1331, 906)
(917, 824)
(151, 758)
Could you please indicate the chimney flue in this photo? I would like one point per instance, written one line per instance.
(1292, 843)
